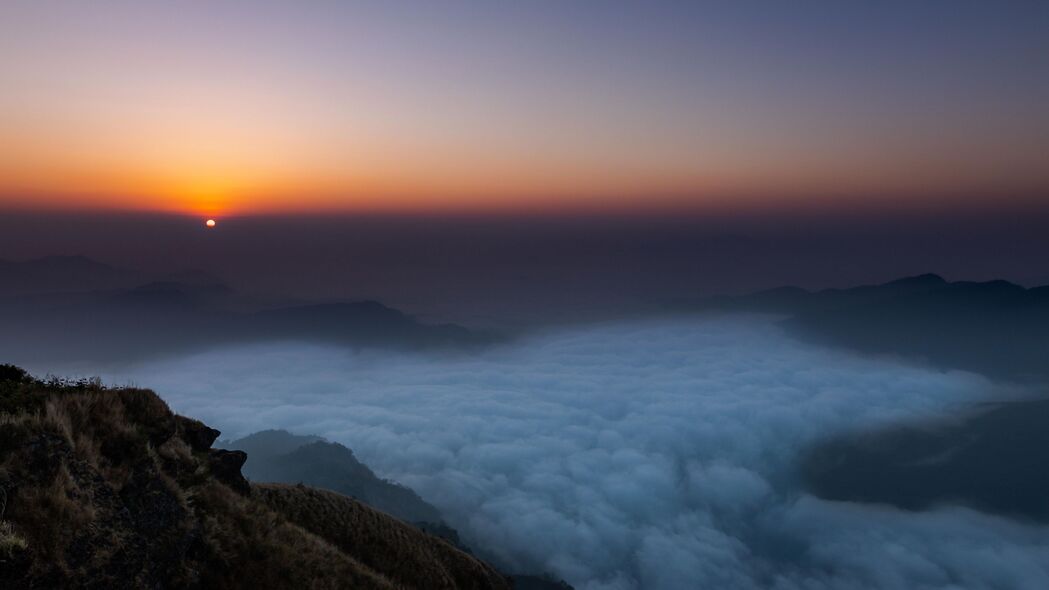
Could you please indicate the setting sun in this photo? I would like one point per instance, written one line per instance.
(645, 295)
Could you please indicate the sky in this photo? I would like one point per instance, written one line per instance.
(255, 108)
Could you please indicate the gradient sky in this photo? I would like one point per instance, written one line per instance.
(232, 108)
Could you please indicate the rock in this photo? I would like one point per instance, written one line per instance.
(225, 467)
(198, 436)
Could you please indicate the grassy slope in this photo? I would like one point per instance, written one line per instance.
(108, 488)
(407, 555)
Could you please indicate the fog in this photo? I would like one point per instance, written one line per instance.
(649, 454)
(519, 270)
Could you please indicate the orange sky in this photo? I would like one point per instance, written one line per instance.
(338, 109)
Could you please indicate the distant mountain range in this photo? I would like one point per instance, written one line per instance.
(73, 309)
(996, 328)
(996, 458)
(62, 273)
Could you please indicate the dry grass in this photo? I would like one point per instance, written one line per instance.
(51, 513)
(256, 547)
(102, 491)
(409, 556)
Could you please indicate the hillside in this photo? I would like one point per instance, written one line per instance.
(279, 456)
(995, 328)
(108, 488)
(995, 460)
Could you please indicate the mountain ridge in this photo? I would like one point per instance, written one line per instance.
(279, 456)
(994, 327)
(147, 317)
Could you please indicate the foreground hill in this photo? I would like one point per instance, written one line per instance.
(995, 328)
(282, 457)
(108, 488)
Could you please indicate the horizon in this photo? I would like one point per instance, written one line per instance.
(685, 108)
(506, 268)
(543, 295)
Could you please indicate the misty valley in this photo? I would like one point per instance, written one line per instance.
(745, 441)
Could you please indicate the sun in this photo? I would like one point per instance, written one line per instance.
(210, 223)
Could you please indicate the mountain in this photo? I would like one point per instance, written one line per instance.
(108, 488)
(996, 328)
(279, 456)
(192, 311)
(266, 445)
(790, 299)
(62, 273)
(355, 324)
(995, 460)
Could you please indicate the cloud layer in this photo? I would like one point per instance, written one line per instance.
(656, 454)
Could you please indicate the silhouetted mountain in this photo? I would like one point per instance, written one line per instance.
(365, 322)
(62, 273)
(160, 295)
(996, 460)
(797, 300)
(279, 456)
(114, 325)
(267, 444)
(167, 316)
(108, 488)
(198, 278)
(996, 328)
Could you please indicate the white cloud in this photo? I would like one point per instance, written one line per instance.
(655, 454)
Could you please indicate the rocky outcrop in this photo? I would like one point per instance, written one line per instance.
(107, 488)
(225, 467)
(195, 433)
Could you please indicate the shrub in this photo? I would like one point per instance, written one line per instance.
(13, 373)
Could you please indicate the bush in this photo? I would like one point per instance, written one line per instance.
(13, 373)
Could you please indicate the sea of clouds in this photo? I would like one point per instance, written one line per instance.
(651, 454)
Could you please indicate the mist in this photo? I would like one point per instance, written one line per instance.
(643, 454)
(517, 271)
